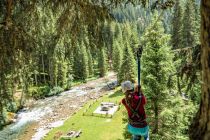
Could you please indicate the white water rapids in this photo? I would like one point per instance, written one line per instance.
(44, 108)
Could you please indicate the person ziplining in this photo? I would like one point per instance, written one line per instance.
(134, 102)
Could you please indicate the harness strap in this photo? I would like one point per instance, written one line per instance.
(137, 108)
(139, 122)
(135, 112)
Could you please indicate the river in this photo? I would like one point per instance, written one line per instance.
(35, 121)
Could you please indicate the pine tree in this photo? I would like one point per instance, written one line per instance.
(134, 41)
(108, 35)
(70, 71)
(177, 26)
(117, 32)
(84, 62)
(76, 62)
(128, 66)
(102, 62)
(156, 67)
(197, 22)
(117, 57)
(87, 43)
(80, 62)
(118, 36)
(84, 37)
(53, 69)
(62, 73)
(188, 30)
(90, 63)
(126, 32)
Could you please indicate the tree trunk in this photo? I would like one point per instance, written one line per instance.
(200, 128)
(43, 68)
(24, 76)
(51, 73)
(36, 81)
(8, 16)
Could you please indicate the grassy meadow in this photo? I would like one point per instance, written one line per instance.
(94, 127)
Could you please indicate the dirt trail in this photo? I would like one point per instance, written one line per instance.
(65, 105)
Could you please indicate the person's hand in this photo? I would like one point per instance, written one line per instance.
(136, 88)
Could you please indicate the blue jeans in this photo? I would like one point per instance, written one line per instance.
(138, 137)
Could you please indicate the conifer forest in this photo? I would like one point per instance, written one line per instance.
(60, 59)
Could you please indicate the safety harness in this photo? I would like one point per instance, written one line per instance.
(135, 113)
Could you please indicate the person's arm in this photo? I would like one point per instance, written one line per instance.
(144, 100)
(136, 89)
(123, 101)
(142, 94)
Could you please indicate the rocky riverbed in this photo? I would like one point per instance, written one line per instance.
(35, 121)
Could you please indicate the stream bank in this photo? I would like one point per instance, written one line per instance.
(37, 120)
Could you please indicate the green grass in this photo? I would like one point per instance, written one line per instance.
(94, 127)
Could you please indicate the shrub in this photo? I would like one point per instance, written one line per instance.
(55, 91)
(44, 90)
(39, 92)
(3, 118)
(69, 82)
(33, 92)
(12, 107)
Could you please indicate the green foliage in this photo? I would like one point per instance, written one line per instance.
(3, 117)
(53, 70)
(126, 134)
(134, 39)
(69, 82)
(128, 66)
(117, 57)
(197, 22)
(102, 62)
(157, 58)
(62, 74)
(90, 63)
(12, 107)
(157, 65)
(33, 52)
(177, 26)
(189, 25)
(39, 92)
(33, 92)
(130, 13)
(76, 62)
(55, 91)
(187, 40)
(118, 45)
(194, 93)
(176, 118)
(84, 63)
(118, 33)
(44, 91)
(80, 66)
(107, 34)
(127, 31)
